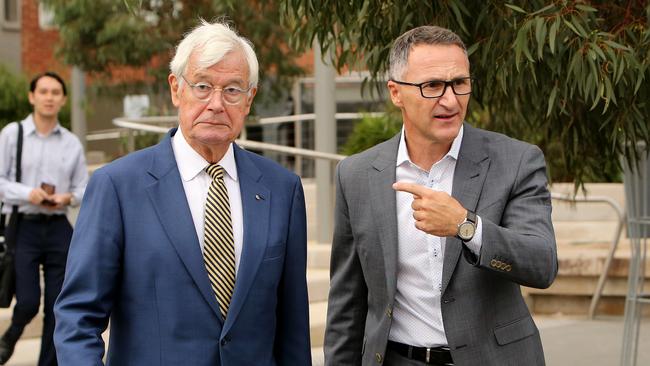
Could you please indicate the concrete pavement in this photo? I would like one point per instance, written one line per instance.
(568, 341)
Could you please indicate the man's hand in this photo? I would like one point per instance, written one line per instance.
(435, 212)
(60, 199)
(37, 196)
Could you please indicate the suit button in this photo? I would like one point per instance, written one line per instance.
(508, 268)
(493, 263)
(378, 357)
(225, 340)
(448, 300)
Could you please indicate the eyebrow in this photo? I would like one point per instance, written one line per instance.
(205, 77)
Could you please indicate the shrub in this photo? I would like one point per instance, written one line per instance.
(370, 131)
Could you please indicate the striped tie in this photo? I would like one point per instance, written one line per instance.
(218, 247)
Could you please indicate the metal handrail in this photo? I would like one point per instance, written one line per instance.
(143, 124)
(614, 244)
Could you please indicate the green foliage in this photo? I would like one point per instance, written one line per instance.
(14, 105)
(570, 76)
(102, 35)
(14, 102)
(370, 131)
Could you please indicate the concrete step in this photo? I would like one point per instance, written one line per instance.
(318, 255)
(317, 320)
(579, 269)
(318, 284)
(585, 232)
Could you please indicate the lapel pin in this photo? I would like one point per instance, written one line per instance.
(259, 197)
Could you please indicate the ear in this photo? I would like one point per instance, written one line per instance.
(31, 98)
(249, 101)
(174, 89)
(395, 95)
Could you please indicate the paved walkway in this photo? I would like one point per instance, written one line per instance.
(567, 341)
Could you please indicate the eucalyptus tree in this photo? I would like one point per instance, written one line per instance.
(104, 36)
(569, 76)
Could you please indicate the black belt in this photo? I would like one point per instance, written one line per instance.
(430, 356)
(42, 217)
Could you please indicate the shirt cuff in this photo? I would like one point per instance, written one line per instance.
(477, 240)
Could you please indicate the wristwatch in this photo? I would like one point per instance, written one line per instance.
(467, 228)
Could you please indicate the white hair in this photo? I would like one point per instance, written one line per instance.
(212, 42)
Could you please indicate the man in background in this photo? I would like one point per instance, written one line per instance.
(54, 176)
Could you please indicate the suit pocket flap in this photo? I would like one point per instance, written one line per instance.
(515, 331)
(273, 251)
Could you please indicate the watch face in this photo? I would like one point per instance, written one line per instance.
(466, 230)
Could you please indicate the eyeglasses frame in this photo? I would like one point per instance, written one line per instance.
(214, 89)
(444, 89)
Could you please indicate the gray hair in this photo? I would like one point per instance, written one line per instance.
(212, 42)
(428, 35)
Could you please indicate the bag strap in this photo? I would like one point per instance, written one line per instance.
(19, 161)
(19, 158)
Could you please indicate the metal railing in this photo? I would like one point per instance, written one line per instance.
(613, 245)
(149, 124)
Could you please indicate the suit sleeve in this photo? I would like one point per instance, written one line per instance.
(522, 245)
(84, 306)
(292, 345)
(347, 304)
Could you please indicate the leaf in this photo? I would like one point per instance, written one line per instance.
(551, 101)
(547, 7)
(552, 34)
(472, 49)
(572, 27)
(598, 51)
(516, 8)
(586, 8)
(459, 16)
(540, 36)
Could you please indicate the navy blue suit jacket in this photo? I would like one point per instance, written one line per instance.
(135, 258)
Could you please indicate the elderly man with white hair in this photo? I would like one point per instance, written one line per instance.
(194, 249)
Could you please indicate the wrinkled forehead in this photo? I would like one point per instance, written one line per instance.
(437, 62)
(232, 64)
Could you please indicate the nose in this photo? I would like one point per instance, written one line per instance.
(448, 98)
(215, 104)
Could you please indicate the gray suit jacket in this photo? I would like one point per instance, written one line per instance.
(486, 319)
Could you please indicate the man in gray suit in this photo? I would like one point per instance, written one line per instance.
(427, 271)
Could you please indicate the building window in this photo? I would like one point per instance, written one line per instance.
(10, 13)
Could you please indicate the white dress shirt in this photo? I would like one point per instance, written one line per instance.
(417, 316)
(191, 166)
(57, 158)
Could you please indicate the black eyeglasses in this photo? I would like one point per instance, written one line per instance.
(437, 88)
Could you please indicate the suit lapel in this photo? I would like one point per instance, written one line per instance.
(469, 176)
(381, 178)
(256, 206)
(167, 196)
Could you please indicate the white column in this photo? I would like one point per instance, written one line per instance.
(325, 141)
(78, 116)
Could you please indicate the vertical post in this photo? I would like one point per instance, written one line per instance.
(325, 141)
(78, 117)
(637, 202)
(296, 94)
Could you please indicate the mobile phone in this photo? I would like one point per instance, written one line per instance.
(49, 189)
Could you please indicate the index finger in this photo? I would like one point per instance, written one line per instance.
(412, 188)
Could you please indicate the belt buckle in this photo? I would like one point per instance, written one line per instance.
(428, 355)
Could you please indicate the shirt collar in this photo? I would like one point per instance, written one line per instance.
(190, 163)
(29, 127)
(403, 154)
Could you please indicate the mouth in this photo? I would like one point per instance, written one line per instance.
(445, 116)
(212, 123)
